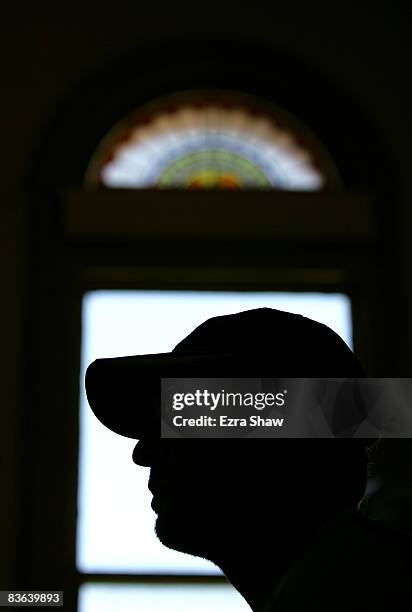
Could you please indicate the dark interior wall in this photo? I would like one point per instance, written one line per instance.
(48, 48)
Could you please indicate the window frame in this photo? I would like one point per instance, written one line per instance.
(145, 256)
(67, 259)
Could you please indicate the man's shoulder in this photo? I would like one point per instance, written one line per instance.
(353, 564)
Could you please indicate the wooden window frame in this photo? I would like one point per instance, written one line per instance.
(121, 239)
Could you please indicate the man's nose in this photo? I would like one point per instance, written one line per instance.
(147, 452)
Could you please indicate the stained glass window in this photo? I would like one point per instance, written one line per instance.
(211, 141)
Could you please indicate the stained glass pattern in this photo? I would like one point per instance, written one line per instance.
(210, 145)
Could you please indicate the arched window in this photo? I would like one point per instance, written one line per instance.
(121, 202)
(194, 140)
(212, 139)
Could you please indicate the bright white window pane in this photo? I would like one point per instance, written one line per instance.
(160, 597)
(115, 522)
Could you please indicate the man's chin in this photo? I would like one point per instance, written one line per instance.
(179, 537)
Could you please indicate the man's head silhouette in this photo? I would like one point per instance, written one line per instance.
(251, 507)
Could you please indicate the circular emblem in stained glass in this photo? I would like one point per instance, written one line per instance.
(210, 168)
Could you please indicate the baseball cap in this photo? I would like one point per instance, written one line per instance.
(125, 392)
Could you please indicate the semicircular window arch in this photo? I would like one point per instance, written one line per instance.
(212, 140)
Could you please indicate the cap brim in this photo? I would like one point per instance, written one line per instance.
(125, 392)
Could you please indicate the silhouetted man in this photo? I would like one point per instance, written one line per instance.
(278, 516)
